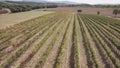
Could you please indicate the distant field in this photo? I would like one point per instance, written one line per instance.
(86, 10)
(10, 19)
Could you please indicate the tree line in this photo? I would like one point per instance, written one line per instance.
(24, 7)
(116, 11)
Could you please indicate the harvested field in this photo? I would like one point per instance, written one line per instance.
(7, 20)
(62, 40)
(87, 10)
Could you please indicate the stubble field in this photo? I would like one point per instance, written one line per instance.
(7, 20)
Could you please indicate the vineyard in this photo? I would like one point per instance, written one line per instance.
(62, 40)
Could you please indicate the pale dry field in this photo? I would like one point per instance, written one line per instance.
(86, 10)
(11, 19)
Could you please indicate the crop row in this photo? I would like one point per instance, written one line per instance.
(102, 37)
(24, 47)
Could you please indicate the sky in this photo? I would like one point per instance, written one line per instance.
(93, 1)
(87, 1)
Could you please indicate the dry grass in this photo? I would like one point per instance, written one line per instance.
(10, 19)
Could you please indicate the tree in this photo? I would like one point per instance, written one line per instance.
(0, 7)
(98, 12)
(119, 12)
(79, 10)
(115, 11)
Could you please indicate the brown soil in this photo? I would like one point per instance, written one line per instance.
(51, 59)
(33, 62)
(68, 43)
(86, 10)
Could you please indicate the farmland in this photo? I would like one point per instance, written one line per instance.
(62, 40)
(7, 20)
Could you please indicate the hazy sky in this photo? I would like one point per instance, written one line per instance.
(93, 1)
(89, 1)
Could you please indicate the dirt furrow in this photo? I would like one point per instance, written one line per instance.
(54, 53)
(30, 49)
(81, 49)
(97, 58)
(23, 30)
(20, 47)
(38, 55)
(106, 60)
(67, 52)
